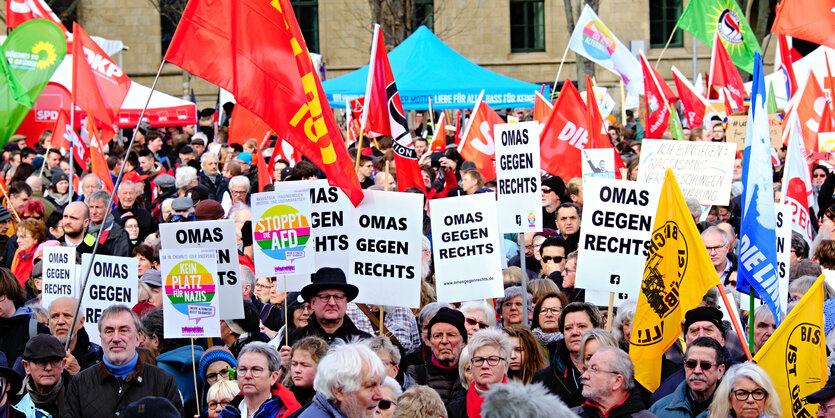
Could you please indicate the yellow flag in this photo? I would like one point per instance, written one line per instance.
(677, 275)
(795, 355)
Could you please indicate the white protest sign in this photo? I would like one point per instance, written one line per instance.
(190, 292)
(601, 298)
(112, 281)
(466, 248)
(330, 212)
(220, 236)
(518, 176)
(704, 170)
(59, 278)
(784, 248)
(617, 222)
(385, 252)
(598, 163)
(281, 233)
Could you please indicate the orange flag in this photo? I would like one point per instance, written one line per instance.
(542, 109)
(245, 125)
(477, 143)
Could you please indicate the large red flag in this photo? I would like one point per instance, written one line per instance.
(724, 75)
(19, 11)
(98, 164)
(565, 134)
(595, 120)
(63, 134)
(810, 109)
(695, 105)
(99, 85)
(542, 109)
(265, 173)
(668, 92)
(281, 86)
(798, 185)
(477, 143)
(384, 115)
(658, 113)
(810, 20)
(787, 64)
(245, 125)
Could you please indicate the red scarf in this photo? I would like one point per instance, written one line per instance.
(474, 400)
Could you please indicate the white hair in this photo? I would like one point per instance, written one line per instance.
(517, 400)
(242, 180)
(208, 154)
(393, 386)
(127, 183)
(482, 306)
(184, 176)
(491, 337)
(341, 369)
(247, 277)
(92, 176)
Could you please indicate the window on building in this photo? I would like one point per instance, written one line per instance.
(527, 25)
(307, 14)
(424, 14)
(663, 15)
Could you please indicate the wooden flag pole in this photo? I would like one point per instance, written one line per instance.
(609, 312)
(359, 152)
(672, 34)
(622, 104)
(559, 70)
(6, 195)
(194, 374)
(46, 155)
(522, 255)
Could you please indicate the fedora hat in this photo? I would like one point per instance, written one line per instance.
(329, 278)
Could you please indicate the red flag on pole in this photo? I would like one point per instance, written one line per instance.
(542, 109)
(724, 76)
(281, 86)
(99, 85)
(265, 173)
(595, 121)
(695, 105)
(798, 184)
(477, 143)
(565, 135)
(19, 11)
(245, 125)
(810, 111)
(98, 164)
(786, 62)
(384, 115)
(810, 20)
(658, 113)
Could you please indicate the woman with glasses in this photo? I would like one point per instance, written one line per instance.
(30, 234)
(131, 225)
(525, 357)
(304, 360)
(298, 312)
(546, 317)
(220, 395)
(746, 391)
(390, 390)
(477, 316)
(491, 350)
(510, 307)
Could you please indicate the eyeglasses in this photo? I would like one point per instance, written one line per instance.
(386, 404)
(819, 176)
(546, 190)
(492, 360)
(825, 407)
(742, 394)
(594, 370)
(705, 365)
(131, 226)
(716, 248)
(263, 286)
(221, 404)
(472, 322)
(327, 298)
(223, 374)
(254, 371)
(44, 363)
(110, 332)
(556, 259)
(552, 311)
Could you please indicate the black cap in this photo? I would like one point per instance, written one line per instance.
(4, 214)
(151, 406)
(449, 316)
(556, 184)
(825, 394)
(43, 347)
(11, 146)
(186, 149)
(330, 278)
(703, 313)
(9, 376)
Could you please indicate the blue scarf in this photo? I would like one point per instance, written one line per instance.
(123, 370)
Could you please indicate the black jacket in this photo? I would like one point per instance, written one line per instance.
(147, 225)
(558, 377)
(446, 382)
(217, 187)
(632, 406)
(347, 331)
(95, 392)
(16, 330)
(85, 352)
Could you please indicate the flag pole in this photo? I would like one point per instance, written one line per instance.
(6, 195)
(72, 145)
(46, 154)
(672, 34)
(522, 260)
(751, 314)
(829, 73)
(622, 104)
(110, 202)
(735, 322)
(609, 311)
(556, 80)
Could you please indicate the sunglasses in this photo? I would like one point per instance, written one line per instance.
(385, 405)
(705, 365)
(473, 322)
(556, 259)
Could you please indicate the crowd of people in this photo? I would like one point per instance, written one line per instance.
(547, 353)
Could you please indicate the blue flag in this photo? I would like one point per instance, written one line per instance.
(758, 240)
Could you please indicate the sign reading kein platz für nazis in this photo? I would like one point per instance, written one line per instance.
(190, 302)
(281, 233)
(518, 177)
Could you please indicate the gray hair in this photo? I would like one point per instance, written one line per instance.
(721, 405)
(510, 293)
(621, 363)
(515, 399)
(420, 402)
(693, 205)
(208, 154)
(117, 309)
(342, 369)
(429, 311)
(239, 180)
(393, 386)
(425, 244)
(626, 312)
(273, 359)
(127, 183)
(603, 337)
(247, 277)
(93, 176)
(383, 344)
(491, 337)
(463, 362)
(482, 306)
(716, 230)
(97, 196)
(804, 283)
(184, 176)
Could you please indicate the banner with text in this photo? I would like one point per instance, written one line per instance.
(784, 249)
(220, 236)
(112, 281)
(59, 278)
(281, 233)
(385, 252)
(518, 176)
(704, 170)
(190, 299)
(466, 248)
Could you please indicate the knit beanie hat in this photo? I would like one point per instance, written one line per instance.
(452, 317)
(214, 354)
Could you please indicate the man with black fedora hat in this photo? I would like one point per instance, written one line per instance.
(46, 380)
(10, 383)
(825, 397)
(329, 293)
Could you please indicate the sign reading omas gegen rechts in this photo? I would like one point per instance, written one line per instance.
(518, 176)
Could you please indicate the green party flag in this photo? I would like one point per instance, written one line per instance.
(702, 18)
(771, 102)
(675, 125)
(33, 51)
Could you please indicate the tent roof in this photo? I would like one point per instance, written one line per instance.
(423, 65)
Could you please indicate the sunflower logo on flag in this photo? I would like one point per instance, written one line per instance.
(51, 55)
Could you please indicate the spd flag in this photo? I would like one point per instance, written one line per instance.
(477, 143)
(677, 275)
(795, 355)
(281, 87)
(695, 105)
(99, 85)
(384, 115)
(658, 113)
(565, 135)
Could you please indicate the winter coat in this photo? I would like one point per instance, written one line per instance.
(631, 406)
(444, 381)
(319, 408)
(281, 404)
(558, 376)
(16, 331)
(28, 408)
(676, 405)
(179, 362)
(217, 187)
(345, 332)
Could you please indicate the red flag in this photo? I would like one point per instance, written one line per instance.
(695, 105)
(810, 110)
(265, 174)
(565, 134)
(595, 120)
(542, 109)
(62, 133)
(457, 126)
(281, 86)
(245, 125)
(724, 76)
(98, 164)
(668, 92)
(798, 189)
(810, 20)
(384, 115)
(99, 85)
(477, 143)
(439, 137)
(786, 62)
(658, 113)
(19, 11)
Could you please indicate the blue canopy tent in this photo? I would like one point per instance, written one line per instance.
(422, 66)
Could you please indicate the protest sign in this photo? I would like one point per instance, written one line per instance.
(615, 231)
(59, 278)
(737, 125)
(518, 175)
(703, 169)
(220, 236)
(385, 252)
(598, 163)
(112, 281)
(784, 248)
(190, 299)
(281, 233)
(601, 298)
(330, 211)
(826, 141)
(466, 248)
